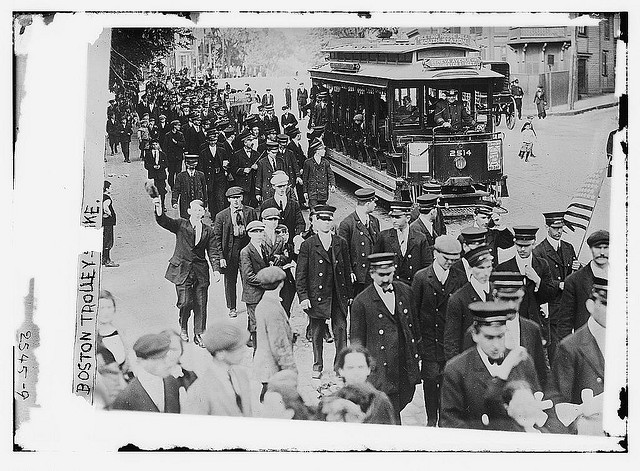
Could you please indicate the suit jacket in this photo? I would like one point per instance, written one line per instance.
(414, 259)
(530, 305)
(150, 162)
(468, 387)
(288, 120)
(531, 339)
(291, 216)
(272, 122)
(459, 318)
(381, 331)
(187, 189)
(559, 267)
(251, 262)
(431, 239)
(211, 166)
(578, 364)
(361, 241)
(239, 161)
(299, 155)
(572, 313)
(317, 276)
(317, 179)
(223, 234)
(135, 397)
(174, 151)
(290, 165)
(264, 174)
(194, 139)
(188, 257)
(430, 300)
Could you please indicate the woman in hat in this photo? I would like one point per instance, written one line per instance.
(540, 99)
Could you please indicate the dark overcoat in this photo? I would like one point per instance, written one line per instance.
(264, 174)
(251, 262)
(150, 162)
(559, 269)
(317, 179)
(216, 177)
(223, 234)
(431, 239)
(239, 161)
(414, 259)
(573, 312)
(135, 398)
(361, 241)
(186, 189)
(290, 216)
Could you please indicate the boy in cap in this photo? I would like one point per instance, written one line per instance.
(266, 166)
(561, 258)
(108, 221)
(290, 212)
(426, 222)
(539, 288)
(153, 389)
(409, 244)
(323, 283)
(224, 388)
(230, 232)
(361, 230)
(458, 315)
(317, 176)
(432, 288)
(479, 375)
(579, 366)
(383, 320)
(243, 166)
(189, 185)
(577, 288)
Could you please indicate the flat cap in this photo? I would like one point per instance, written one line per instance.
(174, 122)
(447, 244)
(598, 238)
(255, 226)
(365, 194)
(279, 177)
(281, 228)
(525, 234)
(224, 334)
(358, 117)
(269, 213)
(491, 311)
(477, 256)
(381, 259)
(269, 277)
(473, 235)
(324, 211)
(398, 208)
(152, 346)
(427, 202)
(554, 219)
(282, 138)
(234, 191)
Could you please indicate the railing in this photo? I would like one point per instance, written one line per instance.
(547, 32)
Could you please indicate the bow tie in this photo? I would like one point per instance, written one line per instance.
(496, 362)
(388, 290)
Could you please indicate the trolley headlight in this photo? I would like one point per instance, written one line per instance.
(460, 162)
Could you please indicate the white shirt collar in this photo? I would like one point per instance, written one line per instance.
(512, 336)
(481, 288)
(598, 332)
(553, 242)
(427, 222)
(362, 215)
(441, 273)
(523, 262)
(154, 385)
(493, 369)
(467, 267)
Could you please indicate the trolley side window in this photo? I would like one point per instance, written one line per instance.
(405, 108)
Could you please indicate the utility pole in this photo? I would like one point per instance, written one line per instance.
(573, 69)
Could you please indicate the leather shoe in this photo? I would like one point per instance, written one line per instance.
(197, 339)
(184, 335)
(316, 375)
(250, 343)
(233, 313)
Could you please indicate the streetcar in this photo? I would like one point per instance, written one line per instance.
(399, 150)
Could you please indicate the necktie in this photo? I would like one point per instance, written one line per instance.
(235, 391)
(496, 362)
(388, 289)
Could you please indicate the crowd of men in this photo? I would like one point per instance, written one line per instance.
(414, 304)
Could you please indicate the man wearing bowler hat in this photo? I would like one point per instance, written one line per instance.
(383, 321)
(230, 230)
(562, 260)
(189, 185)
(214, 162)
(361, 230)
(243, 166)
(539, 288)
(323, 283)
(266, 166)
(426, 221)
(432, 288)
(409, 244)
(577, 288)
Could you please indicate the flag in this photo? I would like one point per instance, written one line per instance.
(580, 210)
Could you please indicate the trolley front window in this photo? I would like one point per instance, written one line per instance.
(405, 106)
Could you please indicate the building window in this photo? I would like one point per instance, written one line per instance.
(606, 24)
(455, 30)
(475, 30)
(605, 71)
(582, 31)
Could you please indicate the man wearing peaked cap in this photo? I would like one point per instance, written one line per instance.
(288, 157)
(489, 216)
(470, 238)
(383, 321)
(318, 179)
(288, 119)
(323, 283)
(153, 389)
(189, 185)
(268, 164)
(561, 258)
(467, 404)
(432, 288)
(579, 364)
(577, 288)
(408, 243)
(243, 166)
(361, 230)
(295, 147)
(214, 164)
(539, 288)
(271, 120)
(426, 222)
(459, 317)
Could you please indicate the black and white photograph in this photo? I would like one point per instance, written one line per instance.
(398, 225)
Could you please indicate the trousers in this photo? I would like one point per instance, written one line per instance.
(231, 274)
(174, 166)
(431, 383)
(339, 328)
(193, 296)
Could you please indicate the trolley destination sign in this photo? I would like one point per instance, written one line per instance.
(450, 62)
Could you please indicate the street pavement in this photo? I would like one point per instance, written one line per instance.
(569, 148)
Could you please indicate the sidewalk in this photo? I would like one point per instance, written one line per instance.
(581, 106)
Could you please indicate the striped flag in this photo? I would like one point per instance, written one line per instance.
(580, 210)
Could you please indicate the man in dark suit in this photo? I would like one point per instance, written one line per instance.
(174, 148)
(383, 321)
(288, 157)
(451, 113)
(243, 167)
(509, 288)
(188, 268)
(361, 230)
(579, 365)
(459, 317)
(302, 95)
(194, 135)
(562, 261)
(155, 162)
(267, 98)
(162, 128)
(426, 222)
(253, 259)
(153, 389)
(476, 378)
(577, 288)
(290, 212)
(295, 147)
(266, 166)
(470, 237)
(409, 245)
(432, 288)
(230, 234)
(287, 120)
(287, 95)
(213, 161)
(488, 216)
(271, 120)
(539, 288)
(189, 185)
(323, 283)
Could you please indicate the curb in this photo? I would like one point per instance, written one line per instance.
(584, 110)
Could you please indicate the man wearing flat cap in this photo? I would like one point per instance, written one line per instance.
(579, 366)
(214, 162)
(539, 288)
(323, 283)
(153, 389)
(230, 231)
(426, 222)
(266, 166)
(174, 145)
(577, 288)
(289, 208)
(383, 321)
(189, 185)
(561, 258)
(243, 166)
(478, 376)
(361, 230)
(409, 244)
(432, 288)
